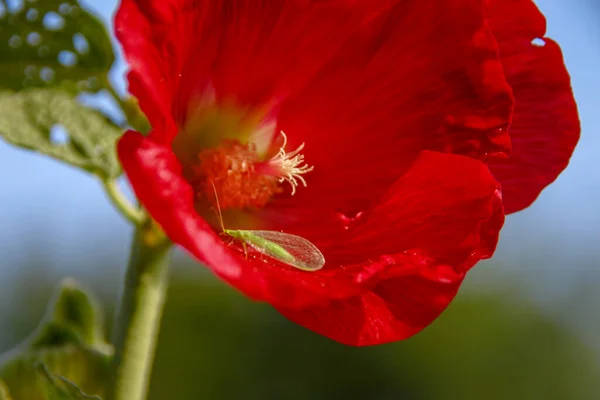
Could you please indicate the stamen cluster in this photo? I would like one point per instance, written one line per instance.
(243, 180)
(288, 166)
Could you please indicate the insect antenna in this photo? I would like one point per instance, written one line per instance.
(218, 206)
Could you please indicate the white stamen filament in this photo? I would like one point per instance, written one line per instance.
(289, 164)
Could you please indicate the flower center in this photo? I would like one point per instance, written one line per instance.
(241, 178)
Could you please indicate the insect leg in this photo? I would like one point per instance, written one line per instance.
(245, 247)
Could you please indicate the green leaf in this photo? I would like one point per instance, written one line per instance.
(88, 368)
(52, 122)
(69, 342)
(4, 394)
(59, 388)
(78, 310)
(74, 316)
(52, 42)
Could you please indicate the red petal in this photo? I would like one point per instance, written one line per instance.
(287, 287)
(449, 208)
(446, 204)
(414, 79)
(178, 48)
(148, 75)
(294, 39)
(545, 126)
(395, 310)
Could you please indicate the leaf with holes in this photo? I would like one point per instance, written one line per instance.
(52, 42)
(52, 122)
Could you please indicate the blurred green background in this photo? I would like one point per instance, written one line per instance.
(216, 344)
(524, 326)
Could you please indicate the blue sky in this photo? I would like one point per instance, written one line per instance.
(548, 248)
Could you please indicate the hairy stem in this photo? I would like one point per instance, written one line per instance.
(138, 321)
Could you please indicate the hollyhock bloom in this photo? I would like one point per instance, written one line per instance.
(390, 134)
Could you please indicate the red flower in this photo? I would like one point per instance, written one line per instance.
(402, 107)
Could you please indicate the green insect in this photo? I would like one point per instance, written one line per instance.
(286, 248)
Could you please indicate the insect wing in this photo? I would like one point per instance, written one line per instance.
(304, 255)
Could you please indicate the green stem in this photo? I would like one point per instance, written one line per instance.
(134, 117)
(118, 99)
(138, 321)
(114, 94)
(134, 214)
